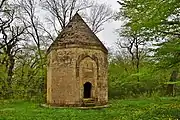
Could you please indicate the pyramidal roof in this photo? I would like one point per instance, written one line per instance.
(77, 32)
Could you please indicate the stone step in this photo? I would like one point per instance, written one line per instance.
(89, 102)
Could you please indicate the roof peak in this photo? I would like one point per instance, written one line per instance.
(77, 32)
(76, 17)
(77, 14)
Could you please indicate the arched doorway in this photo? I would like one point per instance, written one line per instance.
(87, 90)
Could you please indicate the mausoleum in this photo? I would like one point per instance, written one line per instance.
(77, 67)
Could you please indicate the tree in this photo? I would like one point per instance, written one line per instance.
(37, 36)
(161, 20)
(98, 15)
(135, 46)
(158, 18)
(11, 35)
(61, 12)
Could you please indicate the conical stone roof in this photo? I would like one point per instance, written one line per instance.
(78, 34)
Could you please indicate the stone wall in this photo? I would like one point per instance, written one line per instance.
(69, 69)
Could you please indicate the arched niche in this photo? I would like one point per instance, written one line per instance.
(87, 71)
(83, 57)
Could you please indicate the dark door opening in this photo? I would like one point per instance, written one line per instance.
(87, 90)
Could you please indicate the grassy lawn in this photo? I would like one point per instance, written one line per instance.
(136, 109)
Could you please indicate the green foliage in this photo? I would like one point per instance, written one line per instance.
(148, 13)
(158, 22)
(145, 109)
(3, 84)
(168, 54)
(28, 78)
(160, 19)
(123, 82)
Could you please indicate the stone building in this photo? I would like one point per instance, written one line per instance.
(77, 67)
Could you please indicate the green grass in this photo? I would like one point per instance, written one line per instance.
(137, 109)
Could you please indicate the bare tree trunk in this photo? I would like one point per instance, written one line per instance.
(171, 86)
(137, 57)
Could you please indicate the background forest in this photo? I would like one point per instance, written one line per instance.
(145, 64)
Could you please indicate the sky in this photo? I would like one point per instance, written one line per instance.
(108, 36)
